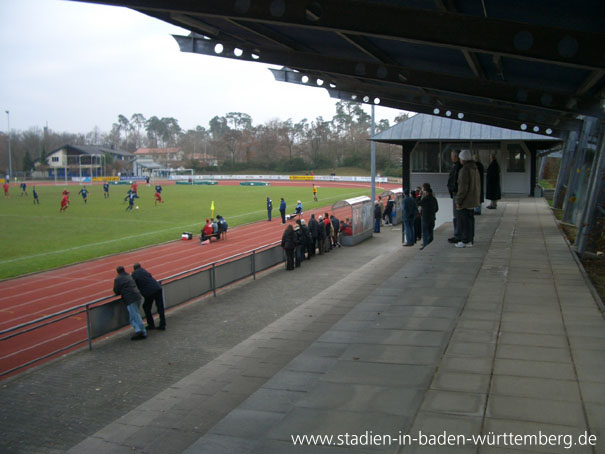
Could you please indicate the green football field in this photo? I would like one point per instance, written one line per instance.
(38, 237)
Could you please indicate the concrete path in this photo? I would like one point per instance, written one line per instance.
(404, 349)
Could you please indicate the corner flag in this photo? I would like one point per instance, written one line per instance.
(212, 209)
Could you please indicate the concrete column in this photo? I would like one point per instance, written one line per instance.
(590, 228)
(406, 168)
(569, 152)
(574, 178)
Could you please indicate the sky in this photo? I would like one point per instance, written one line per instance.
(77, 66)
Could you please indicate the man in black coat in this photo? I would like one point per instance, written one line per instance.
(492, 182)
(125, 286)
(151, 291)
(481, 170)
(452, 187)
(314, 229)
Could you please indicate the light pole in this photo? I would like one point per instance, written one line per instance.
(10, 163)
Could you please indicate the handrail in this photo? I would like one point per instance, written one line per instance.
(103, 301)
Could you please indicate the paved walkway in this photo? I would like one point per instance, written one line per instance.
(503, 339)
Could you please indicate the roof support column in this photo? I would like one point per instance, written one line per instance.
(406, 179)
(566, 159)
(571, 195)
(591, 226)
(532, 167)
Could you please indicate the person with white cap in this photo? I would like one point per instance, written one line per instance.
(468, 197)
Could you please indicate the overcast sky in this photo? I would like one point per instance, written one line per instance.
(77, 66)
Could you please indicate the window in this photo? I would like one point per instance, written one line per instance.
(516, 158)
(425, 158)
(55, 159)
(446, 153)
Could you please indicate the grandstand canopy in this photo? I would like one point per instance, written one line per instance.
(526, 65)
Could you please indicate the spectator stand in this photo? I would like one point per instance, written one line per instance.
(360, 212)
(397, 196)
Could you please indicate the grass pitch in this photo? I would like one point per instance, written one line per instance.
(38, 237)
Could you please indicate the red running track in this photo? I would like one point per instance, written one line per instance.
(30, 297)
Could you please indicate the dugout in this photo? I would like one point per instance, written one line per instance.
(397, 196)
(359, 211)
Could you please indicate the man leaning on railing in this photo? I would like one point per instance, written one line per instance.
(125, 286)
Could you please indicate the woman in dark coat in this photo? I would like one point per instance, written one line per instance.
(288, 242)
(492, 183)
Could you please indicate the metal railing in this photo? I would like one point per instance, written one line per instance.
(109, 314)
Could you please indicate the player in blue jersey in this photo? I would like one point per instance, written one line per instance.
(84, 193)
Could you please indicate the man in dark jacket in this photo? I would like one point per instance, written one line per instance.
(429, 207)
(288, 242)
(309, 243)
(151, 291)
(314, 230)
(282, 210)
(336, 225)
(377, 216)
(409, 211)
(269, 208)
(125, 286)
(321, 234)
(481, 170)
(452, 187)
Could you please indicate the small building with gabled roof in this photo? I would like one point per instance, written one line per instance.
(84, 160)
(427, 142)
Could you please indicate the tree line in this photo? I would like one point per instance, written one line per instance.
(232, 141)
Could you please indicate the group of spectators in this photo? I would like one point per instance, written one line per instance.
(321, 235)
(419, 208)
(214, 228)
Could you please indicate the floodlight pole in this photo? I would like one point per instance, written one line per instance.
(8, 132)
(373, 159)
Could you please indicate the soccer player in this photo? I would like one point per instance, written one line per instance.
(84, 193)
(135, 187)
(36, 199)
(64, 201)
(23, 187)
(106, 190)
(131, 196)
(315, 192)
(5, 186)
(158, 194)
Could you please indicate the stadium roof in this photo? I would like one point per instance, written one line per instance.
(429, 127)
(525, 65)
(93, 150)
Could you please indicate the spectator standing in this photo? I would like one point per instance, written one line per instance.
(298, 251)
(429, 207)
(309, 243)
(282, 210)
(314, 230)
(321, 235)
(452, 187)
(481, 170)
(492, 182)
(269, 208)
(388, 211)
(288, 242)
(151, 291)
(336, 229)
(417, 220)
(377, 217)
(467, 198)
(125, 286)
(329, 232)
(409, 210)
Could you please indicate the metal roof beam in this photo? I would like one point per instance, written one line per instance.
(426, 103)
(438, 28)
(397, 76)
